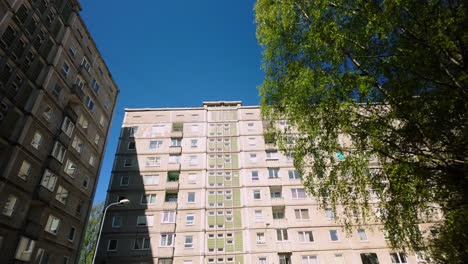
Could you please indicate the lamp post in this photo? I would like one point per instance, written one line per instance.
(123, 201)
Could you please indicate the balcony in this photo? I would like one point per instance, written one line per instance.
(175, 150)
(172, 185)
(277, 201)
(173, 167)
(77, 94)
(270, 146)
(177, 134)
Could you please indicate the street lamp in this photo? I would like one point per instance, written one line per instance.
(121, 202)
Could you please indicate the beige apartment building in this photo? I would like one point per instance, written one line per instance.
(57, 98)
(206, 188)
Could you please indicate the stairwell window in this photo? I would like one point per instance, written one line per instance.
(188, 242)
(191, 197)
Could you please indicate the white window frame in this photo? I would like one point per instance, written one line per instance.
(306, 236)
(362, 235)
(25, 170)
(154, 179)
(167, 240)
(261, 238)
(59, 151)
(188, 242)
(62, 194)
(145, 243)
(117, 221)
(330, 232)
(37, 140)
(188, 221)
(69, 165)
(9, 206)
(152, 199)
(168, 217)
(68, 126)
(189, 194)
(53, 225)
(296, 193)
(49, 180)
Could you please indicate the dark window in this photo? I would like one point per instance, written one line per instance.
(369, 258)
(57, 90)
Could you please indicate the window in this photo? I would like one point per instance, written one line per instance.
(148, 199)
(171, 197)
(188, 241)
(85, 182)
(62, 194)
(71, 169)
(298, 193)
(25, 170)
(145, 220)
(281, 234)
(174, 159)
(83, 122)
(65, 68)
(175, 142)
(194, 143)
(91, 160)
(362, 234)
(124, 180)
(85, 64)
(131, 146)
(25, 249)
(294, 175)
(48, 113)
(261, 239)
(153, 161)
(71, 234)
(273, 173)
(252, 141)
(192, 178)
(278, 212)
(301, 214)
(37, 140)
(65, 260)
(173, 176)
(193, 160)
(284, 258)
(257, 195)
(89, 103)
(155, 144)
(369, 258)
(253, 157)
(158, 129)
(68, 126)
(334, 235)
(77, 144)
(150, 179)
(9, 206)
(79, 82)
(262, 260)
(272, 155)
(132, 131)
(305, 236)
(191, 197)
(309, 260)
(339, 259)
(398, 257)
(254, 175)
(59, 151)
(52, 225)
(168, 217)
(190, 219)
(128, 163)
(73, 50)
(95, 85)
(258, 216)
(329, 214)
(116, 221)
(48, 180)
(195, 128)
(141, 244)
(167, 240)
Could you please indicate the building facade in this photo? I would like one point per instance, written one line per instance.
(57, 99)
(206, 188)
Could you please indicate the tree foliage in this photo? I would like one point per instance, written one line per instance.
(390, 77)
(92, 231)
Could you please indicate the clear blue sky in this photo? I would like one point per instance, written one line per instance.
(174, 53)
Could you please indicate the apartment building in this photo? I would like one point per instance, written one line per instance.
(57, 99)
(206, 188)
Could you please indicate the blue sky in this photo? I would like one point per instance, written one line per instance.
(174, 53)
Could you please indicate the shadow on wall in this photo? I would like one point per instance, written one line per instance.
(125, 236)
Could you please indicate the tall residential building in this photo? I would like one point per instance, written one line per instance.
(206, 188)
(57, 98)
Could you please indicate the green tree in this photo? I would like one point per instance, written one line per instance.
(391, 77)
(92, 230)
